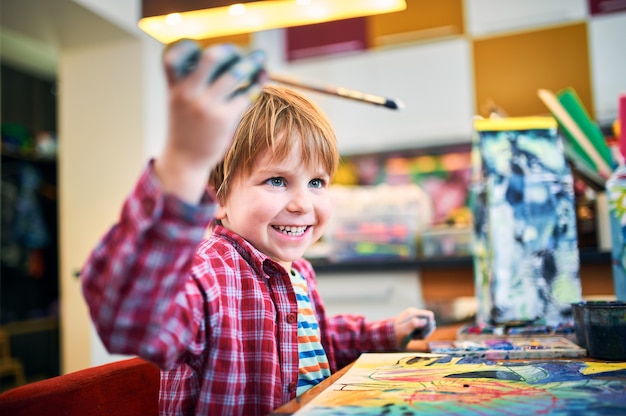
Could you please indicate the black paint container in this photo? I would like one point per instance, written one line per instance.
(601, 328)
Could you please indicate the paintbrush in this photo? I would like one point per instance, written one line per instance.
(189, 62)
(342, 92)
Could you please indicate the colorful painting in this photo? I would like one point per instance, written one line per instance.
(443, 173)
(616, 192)
(526, 246)
(429, 384)
(510, 348)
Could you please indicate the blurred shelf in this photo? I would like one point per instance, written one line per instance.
(587, 256)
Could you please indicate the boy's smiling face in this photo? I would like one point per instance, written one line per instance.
(282, 207)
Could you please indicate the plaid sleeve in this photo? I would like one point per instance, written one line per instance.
(134, 276)
(353, 335)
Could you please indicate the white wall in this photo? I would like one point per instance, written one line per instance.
(375, 295)
(111, 119)
(434, 81)
(608, 62)
(486, 17)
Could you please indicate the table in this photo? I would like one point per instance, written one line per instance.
(444, 333)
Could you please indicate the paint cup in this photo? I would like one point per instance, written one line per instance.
(603, 325)
(616, 193)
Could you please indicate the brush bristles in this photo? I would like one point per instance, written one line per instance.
(394, 104)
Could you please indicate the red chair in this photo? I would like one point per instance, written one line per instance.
(128, 387)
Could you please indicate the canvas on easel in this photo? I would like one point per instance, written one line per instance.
(526, 259)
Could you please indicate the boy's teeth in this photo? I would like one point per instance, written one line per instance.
(291, 230)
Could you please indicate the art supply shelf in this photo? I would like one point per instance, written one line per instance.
(587, 257)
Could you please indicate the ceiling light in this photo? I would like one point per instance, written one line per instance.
(168, 21)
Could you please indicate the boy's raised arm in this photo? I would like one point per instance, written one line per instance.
(133, 278)
(205, 103)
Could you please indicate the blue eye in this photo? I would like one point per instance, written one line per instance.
(276, 181)
(316, 183)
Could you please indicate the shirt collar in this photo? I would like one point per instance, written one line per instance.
(258, 260)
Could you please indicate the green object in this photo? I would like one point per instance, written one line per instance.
(574, 106)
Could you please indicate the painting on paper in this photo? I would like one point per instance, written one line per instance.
(526, 247)
(429, 384)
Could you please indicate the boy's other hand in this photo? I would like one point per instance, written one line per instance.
(413, 323)
(208, 91)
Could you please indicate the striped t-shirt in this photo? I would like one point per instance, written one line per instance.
(314, 367)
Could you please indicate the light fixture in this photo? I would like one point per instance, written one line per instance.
(171, 20)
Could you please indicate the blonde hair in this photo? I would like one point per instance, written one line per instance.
(274, 120)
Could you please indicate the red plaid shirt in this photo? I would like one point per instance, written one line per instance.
(218, 316)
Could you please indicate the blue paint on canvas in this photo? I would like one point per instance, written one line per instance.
(526, 253)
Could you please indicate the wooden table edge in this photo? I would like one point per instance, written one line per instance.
(294, 405)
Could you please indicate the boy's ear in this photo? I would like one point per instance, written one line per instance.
(220, 212)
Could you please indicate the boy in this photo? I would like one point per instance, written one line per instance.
(234, 321)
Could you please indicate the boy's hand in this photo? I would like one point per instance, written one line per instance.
(413, 323)
(208, 92)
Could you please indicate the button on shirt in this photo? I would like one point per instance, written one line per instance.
(218, 316)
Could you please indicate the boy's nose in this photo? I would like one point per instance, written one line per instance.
(300, 201)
